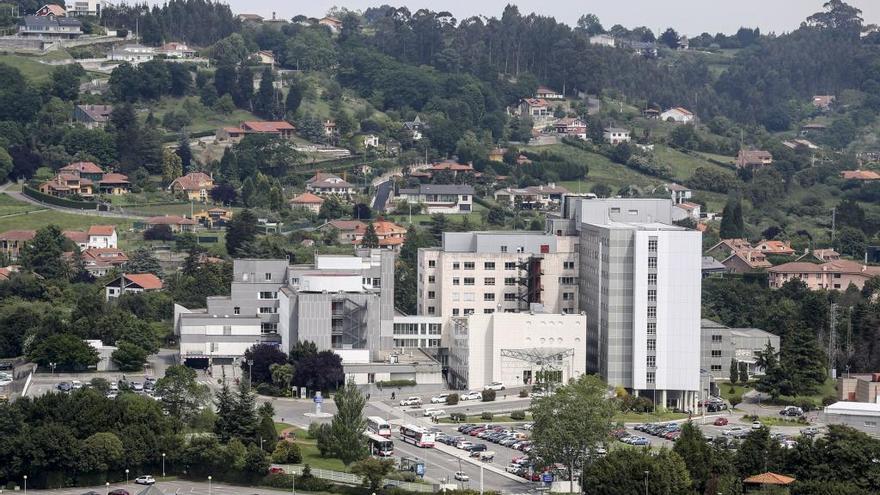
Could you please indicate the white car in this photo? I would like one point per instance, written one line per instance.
(433, 412)
(460, 476)
(513, 469)
(757, 425)
(464, 445)
(76, 384)
(439, 399)
(496, 386)
(472, 396)
(411, 401)
(144, 480)
(733, 431)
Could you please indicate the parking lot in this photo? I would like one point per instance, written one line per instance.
(45, 383)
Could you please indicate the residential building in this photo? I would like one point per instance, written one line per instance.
(860, 175)
(100, 261)
(440, 198)
(327, 184)
(85, 170)
(639, 285)
(746, 261)
(13, 241)
(679, 193)
(547, 197)
(131, 283)
(651, 113)
(812, 129)
(497, 155)
(330, 128)
(91, 8)
(176, 223)
(513, 348)
(49, 27)
(308, 201)
(711, 268)
(266, 57)
(545, 93)
(833, 275)
(726, 247)
(51, 9)
(132, 53)
(862, 416)
(451, 166)
(391, 236)
(78, 237)
(252, 18)
(858, 387)
(616, 135)
(416, 128)
(279, 128)
(721, 344)
(370, 141)
(92, 116)
(603, 40)
(114, 184)
(348, 231)
(195, 186)
(823, 255)
(537, 108)
(678, 115)
(333, 23)
(753, 159)
(781, 248)
(213, 218)
(64, 185)
(823, 102)
(175, 49)
(571, 127)
(504, 272)
(102, 236)
(686, 210)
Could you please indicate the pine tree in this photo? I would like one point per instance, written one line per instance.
(294, 98)
(697, 455)
(172, 166)
(185, 153)
(245, 413)
(803, 361)
(370, 239)
(244, 88)
(224, 426)
(734, 372)
(241, 230)
(43, 255)
(732, 226)
(346, 429)
(743, 373)
(264, 102)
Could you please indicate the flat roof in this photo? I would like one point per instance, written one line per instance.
(856, 408)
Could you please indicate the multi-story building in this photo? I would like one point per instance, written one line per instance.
(440, 198)
(837, 275)
(85, 8)
(504, 272)
(721, 344)
(639, 285)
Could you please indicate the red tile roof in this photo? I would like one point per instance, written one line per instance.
(82, 167)
(77, 236)
(307, 198)
(347, 225)
(18, 235)
(384, 227)
(194, 181)
(114, 178)
(102, 230)
(276, 126)
(170, 220)
(146, 280)
(451, 165)
(836, 266)
(860, 175)
(769, 479)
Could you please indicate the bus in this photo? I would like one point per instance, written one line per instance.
(417, 436)
(379, 426)
(379, 446)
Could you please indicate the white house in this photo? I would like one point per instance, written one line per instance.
(677, 114)
(602, 40)
(134, 54)
(102, 236)
(371, 141)
(131, 283)
(543, 92)
(616, 135)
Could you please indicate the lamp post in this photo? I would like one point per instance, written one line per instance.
(163, 464)
(25, 484)
(646, 482)
(52, 365)
(126, 476)
(250, 363)
(209, 484)
(293, 483)
(107, 488)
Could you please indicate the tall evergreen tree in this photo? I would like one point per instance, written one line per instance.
(243, 94)
(732, 226)
(370, 239)
(241, 230)
(347, 427)
(803, 361)
(697, 455)
(224, 426)
(185, 153)
(734, 372)
(264, 101)
(294, 98)
(43, 255)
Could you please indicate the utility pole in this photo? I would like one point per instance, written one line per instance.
(832, 339)
(833, 222)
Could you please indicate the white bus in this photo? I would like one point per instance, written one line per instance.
(379, 446)
(417, 436)
(379, 426)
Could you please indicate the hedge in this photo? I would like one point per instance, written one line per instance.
(52, 200)
(396, 383)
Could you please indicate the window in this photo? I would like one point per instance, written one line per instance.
(489, 296)
(266, 310)
(652, 295)
(568, 296)
(469, 281)
(870, 424)
(716, 367)
(650, 377)
(456, 265)
(268, 295)
(489, 265)
(489, 281)
(509, 265)
(652, 262)
(269, 327)
(268, 277)
(431, 310)
(236, 310)
(652, 344)
(456, 296)
(432, 263)
(509, 296)
(716, 353)
(651, 361)
(468, 265)
(652, 312)
(468, 296)
(652, 329)
(568, 265)
(431, 279)
(431, 294)
(503, 249)
(652, 245)
(566, 281)
(455, 311)
(434, 329)
(227, 330)
(716, 339)
(456, 281)
(468, 311)
(510, 281)
(488, 311)
(377, 283)
(836, 275)
(652, 279)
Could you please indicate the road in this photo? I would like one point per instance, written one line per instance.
(383, 190)
(170, 487)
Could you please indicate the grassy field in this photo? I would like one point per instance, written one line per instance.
(602, 170)
(829, 388)
(30, 67)
(10, 206)
(66, 221)
(204, 119)
(658, 417)
(309, 449)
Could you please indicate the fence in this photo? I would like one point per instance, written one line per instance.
(351, 479)
(52, 200)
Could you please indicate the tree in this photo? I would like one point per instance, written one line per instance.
(590, 25)
(439, 224)
(331, 209)
(294, 97)
(43, 255)
(697, 455)
(370, 239)
(496, 216)
(744, 373)
(265, 103)
(670, 38)
(6, 163)
(373, 470)
(731, 219)
(159, 232)
(347, 426)
(241, 230)
(263, 357)
(101, 452)
(286, 453)
(803, 361)
(141, 260)
(65, 81)
(622, 472)
(182, 395)
(129, 357)
(185, 153)
(282, 375)
(734, 371)
(172, 166)
(243, 93)
(321, 371)
(571, 424)
(67, 351)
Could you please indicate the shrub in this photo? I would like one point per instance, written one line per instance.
(806, 404)
(828, 400)
(487, 416)
(286, 453)
(451, 399)
(396, 383)
(518, 415)
(488, 395)
(269, 389)
(457, 416)
(523, 393)
(735, 400)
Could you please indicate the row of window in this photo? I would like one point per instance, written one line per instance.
(490, 265)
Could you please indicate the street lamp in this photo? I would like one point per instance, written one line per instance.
(209, 484)
(250, 363)
(107, 488)
(25, 484)
(163, 464)
(646, 482)
(293, 481)
(52, 365)
(126, 476)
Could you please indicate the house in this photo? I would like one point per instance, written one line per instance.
(826, 255)
(685, 210)
(266, 57)
(12, 242)
(133, 54)
(536, 108)
(333, 23)
(100, 261)
(679, 193)
(90, 8)
(78, 237)
(92, 116)
(573, 127)
(102, 236)
(497, 154)
(765, 481)
(533, 197)
(837, 275)
(51, 9)
(440, 198)
(391, 235)
(521, 160)
(176, 223)
(651, 113)
(213, 218)
(278, 128)
(616, 135)
(710, 267)
(545, 93)
(232, 134)
(860, 175)
(65, 185)
(84, 170)
(324, 184)
(451, 166)
(603, 40)
(370, 141)
(727, 247)
(782, 248)
(677, 114)
(131, 283)
(746, 261)
(800, 143)
(808, 129)
(330, 127)
(415, 127)
(176, 50)
(753, 159)
(308, 201)
(49, 27)
(255, 18)
(7, 271)
(114, 184)
(823, 102)
(194, 186)
(348, 231)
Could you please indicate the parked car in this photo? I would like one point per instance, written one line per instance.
(512, 469)
(496, 386)
(792, 411)
(472, 396)
(433, 413)
(464, 445)
(757, 425)
(810, 431)
(119, 491)
(439, 399)
(144, 480)
(137, 386)
(733, 431)
(411, 401)
(276, 470)
(64, 387)
(460, 476)
(76, 384)
(640, 441)
(720, 422)
(480, 447)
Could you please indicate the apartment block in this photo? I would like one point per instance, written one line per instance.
(721, 344)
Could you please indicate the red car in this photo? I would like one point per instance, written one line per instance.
(720, 422)
(276, 470)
